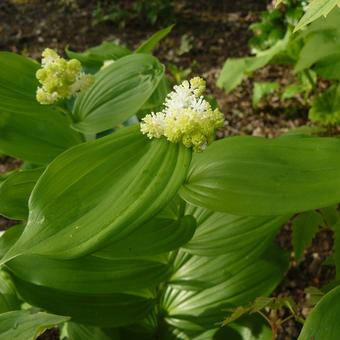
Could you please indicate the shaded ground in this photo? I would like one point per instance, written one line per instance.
(206, 33)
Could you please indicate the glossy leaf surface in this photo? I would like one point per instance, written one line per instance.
(8, 298)
(104, 310)
(15, 192)
(99, 192)
(256, 176)
(154, 237)
(119, 91)
(92, 275)
(220, 233)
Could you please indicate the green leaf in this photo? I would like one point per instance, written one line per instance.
(330, 215)
(115, 184)
(315, 10)
(119, 91)
(8, 297)
(305, 226)
(235, 69)
(28, 130)
(92, 58)
(202, 288)
(90, 274)
(148, 45)
(23, 324)
(221, 233)
(291, 91)
(320, 43)
(103, 310)
(157, 99)
(249, 328)
(154, 237)
(77, 331)
(15, 192)
(261, 90)
(329, 67)
(9, 237)
(326, 107)
(322, 323)
(253, 176)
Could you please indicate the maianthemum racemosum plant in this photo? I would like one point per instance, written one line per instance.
(150, 230)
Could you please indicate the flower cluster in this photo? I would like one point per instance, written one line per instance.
(59, 78)
(187, 117)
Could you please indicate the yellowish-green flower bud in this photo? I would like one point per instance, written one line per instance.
(187, 117)
(60, 78)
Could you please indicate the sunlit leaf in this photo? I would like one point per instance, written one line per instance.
(257, 177)
(118, 93)
(114, 185)
(315, 10)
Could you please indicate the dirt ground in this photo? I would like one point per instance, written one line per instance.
(205, 35)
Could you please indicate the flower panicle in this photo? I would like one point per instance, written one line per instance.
(187, 117)
(60, 78)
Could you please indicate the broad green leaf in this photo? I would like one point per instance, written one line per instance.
(330, 215)
(261, 90)
(148, 45)
(9, 237)
(100, 192)
(28, 130)
(200, 292)
(326, 107)
(77, 331)
(320, 43)
(249, 328)
(26, 325)
(92, 58)
(15, 192)
(103, 310)
(118, 93)
(154, 237)
(315, 10)
(8, 297)
(254, 176)
(220, 233)
(323, 321)
(90, 274)
(305, 226)
(235, 69)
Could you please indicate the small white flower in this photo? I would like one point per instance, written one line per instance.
(187, 117)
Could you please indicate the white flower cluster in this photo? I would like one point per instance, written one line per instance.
(60, 78)
(187, 117)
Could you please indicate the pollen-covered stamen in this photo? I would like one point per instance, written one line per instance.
(187, 117)
(59, 78)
